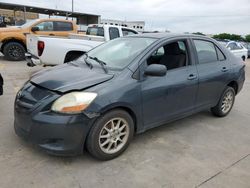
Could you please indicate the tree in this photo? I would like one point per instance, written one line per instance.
(199, 33)
(229, 37)
(247, 38)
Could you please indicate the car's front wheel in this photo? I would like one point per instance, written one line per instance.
(225, 103)
(110, 135)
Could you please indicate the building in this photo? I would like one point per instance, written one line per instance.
(26, 12)
(16, 17)
(137, 25)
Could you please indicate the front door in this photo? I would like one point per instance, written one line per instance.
(173, 95)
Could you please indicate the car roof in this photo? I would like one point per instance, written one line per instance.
(168, 35)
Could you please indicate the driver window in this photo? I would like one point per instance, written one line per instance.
(172, 55)
(45, 26)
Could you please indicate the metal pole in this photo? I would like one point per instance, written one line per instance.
(14, 17)
(24, 15)
(72, 8)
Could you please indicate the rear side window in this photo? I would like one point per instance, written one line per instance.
(63, 26)
(206, 51)
(113, 33)
(96, 31)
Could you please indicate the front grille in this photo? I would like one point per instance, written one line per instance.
(29, 97)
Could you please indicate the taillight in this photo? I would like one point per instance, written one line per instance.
(40, 47)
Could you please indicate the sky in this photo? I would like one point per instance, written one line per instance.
(207, 16)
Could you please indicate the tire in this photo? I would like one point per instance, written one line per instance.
(225, 103)
(104, 148)
(14, 51)
(243, 58)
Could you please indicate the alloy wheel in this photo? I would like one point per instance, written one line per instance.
(227, 102)
(114, 135)
(15, 51)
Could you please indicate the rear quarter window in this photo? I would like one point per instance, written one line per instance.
(221, 56)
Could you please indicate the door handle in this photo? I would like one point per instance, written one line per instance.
(192, 77)
(51, 35)
(224, 69)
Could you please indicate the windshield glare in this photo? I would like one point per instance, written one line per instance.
(119, 53)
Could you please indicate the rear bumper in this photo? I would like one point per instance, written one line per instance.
(32, 60)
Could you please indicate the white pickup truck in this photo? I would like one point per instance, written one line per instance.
(51, 50)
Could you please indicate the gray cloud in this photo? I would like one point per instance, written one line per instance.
(208, 16)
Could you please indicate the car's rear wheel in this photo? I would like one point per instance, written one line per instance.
(225, 103)
(110, 135)
(14, 51)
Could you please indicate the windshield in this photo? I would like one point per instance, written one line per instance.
(119, 53)
(28, 24)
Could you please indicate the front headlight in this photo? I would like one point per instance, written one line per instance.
(74, 102)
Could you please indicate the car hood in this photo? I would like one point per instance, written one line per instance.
(10, 29)
(69, 77)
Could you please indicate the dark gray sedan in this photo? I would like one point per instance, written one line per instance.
(125, 87)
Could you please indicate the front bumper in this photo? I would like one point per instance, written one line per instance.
(58, 134)
(32, 60)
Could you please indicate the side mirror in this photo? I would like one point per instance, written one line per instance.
(34, 29)
(156, 70)
(229, 48)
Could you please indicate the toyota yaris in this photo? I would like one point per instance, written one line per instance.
(125, 87)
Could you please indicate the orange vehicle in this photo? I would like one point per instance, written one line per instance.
(13, 39)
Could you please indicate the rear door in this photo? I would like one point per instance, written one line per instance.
(213, 70)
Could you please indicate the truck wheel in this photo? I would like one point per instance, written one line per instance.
(225, 104)
(14, 51)
(110, 135)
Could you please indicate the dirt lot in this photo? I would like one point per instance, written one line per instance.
(199, 151)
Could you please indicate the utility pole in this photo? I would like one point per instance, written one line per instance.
(72, 9)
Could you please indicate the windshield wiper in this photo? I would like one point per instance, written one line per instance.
(102, 63)
(88, 63)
